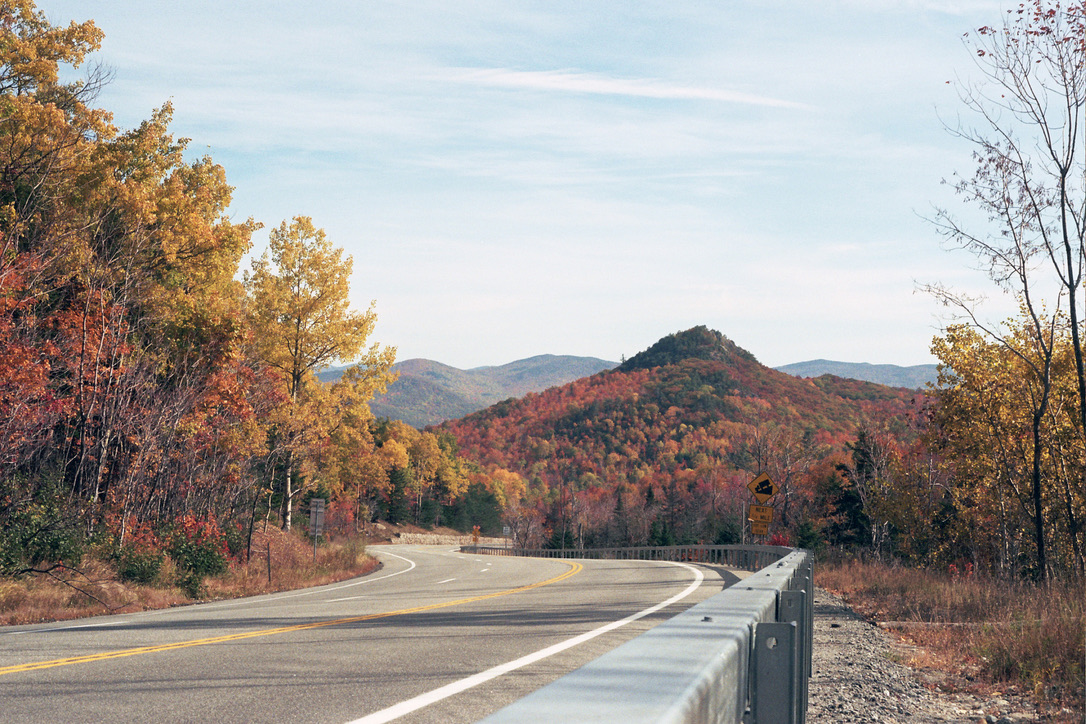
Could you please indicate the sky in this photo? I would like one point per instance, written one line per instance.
(521, 178)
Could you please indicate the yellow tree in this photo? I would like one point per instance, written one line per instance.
(452, 478)
(117, 289)
(47, 131)
(353, 468)
(1007, 417)
(300, 311)
(508, 487)
(159, 244)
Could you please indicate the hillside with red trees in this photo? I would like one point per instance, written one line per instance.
(660, 449)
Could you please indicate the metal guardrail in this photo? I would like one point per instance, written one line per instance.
(742, 656)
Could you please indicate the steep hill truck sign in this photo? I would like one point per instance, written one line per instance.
(760, 516)
(763, 488)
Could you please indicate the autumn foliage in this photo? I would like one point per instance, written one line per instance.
(150, 402)
(161, 406)
(661, 449)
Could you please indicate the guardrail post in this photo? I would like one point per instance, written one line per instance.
(792, 608)
(808, 576)
(775, 663)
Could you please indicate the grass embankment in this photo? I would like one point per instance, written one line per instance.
(96, 588)
(989, 632)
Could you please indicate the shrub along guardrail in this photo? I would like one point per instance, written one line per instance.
(742, 656)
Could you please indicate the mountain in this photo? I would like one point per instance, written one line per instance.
(914, 378)
(699, 343)
(694, 407)
(428, 392)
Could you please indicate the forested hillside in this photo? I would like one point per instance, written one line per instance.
(661, 448)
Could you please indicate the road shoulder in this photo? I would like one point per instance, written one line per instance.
(860, 674)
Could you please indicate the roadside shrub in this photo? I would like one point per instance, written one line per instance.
(37, 535)
(236, 538)
(339, 519)
(780, 538)
(12, 595)
(346, 555)
(139, 566)
(199, 549)
(140, 559)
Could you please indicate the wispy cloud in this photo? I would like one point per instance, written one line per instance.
(569, 81)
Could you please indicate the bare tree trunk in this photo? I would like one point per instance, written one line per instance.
(1038, 505)
(288, 492)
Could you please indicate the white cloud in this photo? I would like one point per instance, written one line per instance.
(569, 81)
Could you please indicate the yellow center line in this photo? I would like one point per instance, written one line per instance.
(573, 570)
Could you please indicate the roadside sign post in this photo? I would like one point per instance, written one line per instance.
(316, 521)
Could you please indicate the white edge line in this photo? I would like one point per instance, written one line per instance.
(333, 587)
(431, 697)
(225, 604)
(103, 624)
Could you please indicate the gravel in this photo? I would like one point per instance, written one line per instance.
(857, 677)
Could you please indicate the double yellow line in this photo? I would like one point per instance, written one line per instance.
(574, 569)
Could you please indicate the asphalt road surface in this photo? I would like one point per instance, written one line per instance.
(433, 636)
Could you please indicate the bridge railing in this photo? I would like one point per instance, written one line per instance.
(741, 656)
(747, 558)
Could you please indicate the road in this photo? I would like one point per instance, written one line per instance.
(400, 644)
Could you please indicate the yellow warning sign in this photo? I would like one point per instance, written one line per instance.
(757, 527)
(763, 488)
(761, 514)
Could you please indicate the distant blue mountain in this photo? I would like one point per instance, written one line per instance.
(428, 392)
(915, 377)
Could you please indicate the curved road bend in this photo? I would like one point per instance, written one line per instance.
(397, 645)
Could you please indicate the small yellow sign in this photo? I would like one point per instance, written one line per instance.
(761, 514)
(757, 527)
(763, 488)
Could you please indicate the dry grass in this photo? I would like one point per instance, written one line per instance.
(292, 565)
(997, 631)
(66, 594)
(96, 589)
